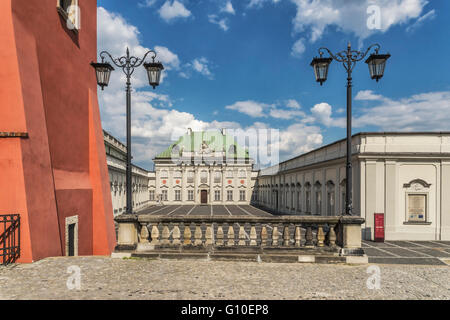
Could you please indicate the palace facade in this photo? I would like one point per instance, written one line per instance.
(405, 176)
(203, 168)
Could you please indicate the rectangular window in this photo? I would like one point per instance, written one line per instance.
(177, 195)
(152, 195)
(241, 195)
(191, 195)
(70, 11)
(417, 204)
(190, 177)
(217, 195)
(164, 195)
(230, 195)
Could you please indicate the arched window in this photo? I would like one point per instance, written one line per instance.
(318, 197)
(308, 198)
(330, 198)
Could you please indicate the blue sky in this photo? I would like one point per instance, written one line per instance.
(245, 64)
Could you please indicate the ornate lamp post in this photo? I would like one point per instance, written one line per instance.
(349, 57)
(128, 65)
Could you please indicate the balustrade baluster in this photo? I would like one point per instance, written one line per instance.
(263, 236)
(209, 235)
(331, 236)
(176, 234)
(320, 236)
(165, 235)
(220, 236)
(309, 237)
(187, 235)
(298, 236)
(253, 236)
(230, 236)
(275, 236)
(155, 235)
(286, 236)
(144, 233)
(241, 236)
(198, 236)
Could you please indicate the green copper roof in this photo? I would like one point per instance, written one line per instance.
(215, 141)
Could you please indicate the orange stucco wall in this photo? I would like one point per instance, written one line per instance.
(49, 91)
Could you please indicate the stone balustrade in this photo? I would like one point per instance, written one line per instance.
(150, 232)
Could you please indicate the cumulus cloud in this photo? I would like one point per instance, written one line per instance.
(228, 8)
(367, 95)
(171, 10)
(293, 104)
(298, 48)
(322, 113)
(421, 112)
(249, 107)
(115, 35)
(351, 16)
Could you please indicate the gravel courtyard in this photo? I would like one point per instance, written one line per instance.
(107, 278)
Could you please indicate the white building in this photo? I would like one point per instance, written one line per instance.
(116, 155)
(406, 176)
(203, 168)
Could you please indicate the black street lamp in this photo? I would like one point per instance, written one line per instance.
(349, 57)
(128, 65)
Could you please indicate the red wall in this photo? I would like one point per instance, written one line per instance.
(51, 93)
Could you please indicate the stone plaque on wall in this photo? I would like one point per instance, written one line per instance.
(417, 207)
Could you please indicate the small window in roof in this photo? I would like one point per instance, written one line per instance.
(232, 149)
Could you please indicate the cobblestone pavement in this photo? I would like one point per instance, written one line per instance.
(106, 278)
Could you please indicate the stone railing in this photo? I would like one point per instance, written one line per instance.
(148, 232)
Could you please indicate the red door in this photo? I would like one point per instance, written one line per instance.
(204, 196)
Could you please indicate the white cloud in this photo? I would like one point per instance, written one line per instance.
(367, 95)
(430, 15)
(201, 65)
(173, 10)
(421, 112)
(259, 3)
(322, 113)
(298, 48)
(146, 3)
(228, 8)
(351, 16)
(222, 23)
(298, 139)
(293, 104)
(249, 107)
(285, 114)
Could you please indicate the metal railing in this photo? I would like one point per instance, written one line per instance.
(9, 238)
